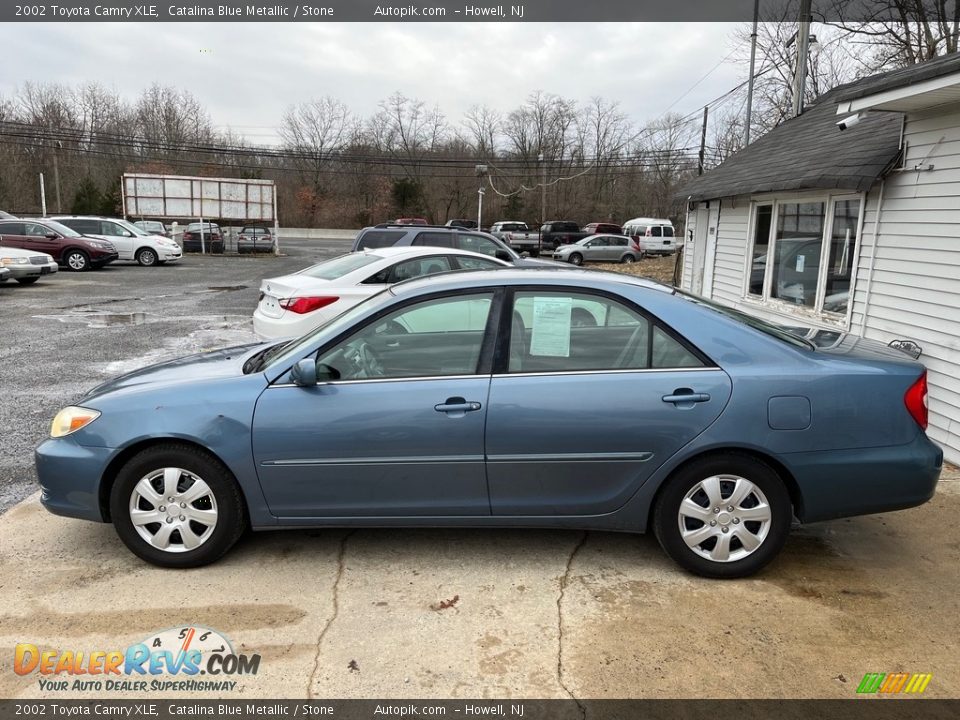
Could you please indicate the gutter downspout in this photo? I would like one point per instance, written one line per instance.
(686, 231)
(873, 257)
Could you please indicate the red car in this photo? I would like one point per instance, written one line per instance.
(411, 221)
(68, 247)
(211, 242)
(600, 228)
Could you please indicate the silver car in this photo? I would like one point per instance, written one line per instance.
(26, 266)
(599, 248)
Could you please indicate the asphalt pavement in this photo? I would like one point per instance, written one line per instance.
(429, 613)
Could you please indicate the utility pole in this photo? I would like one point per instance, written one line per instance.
(803, 47)
(753, 63)
(56, 177)
(543, 190)
(703, 142)
(43, 197)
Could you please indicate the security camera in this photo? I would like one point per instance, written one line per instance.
(849, 122)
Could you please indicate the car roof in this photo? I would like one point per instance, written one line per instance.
(526, 276)
(395, 251)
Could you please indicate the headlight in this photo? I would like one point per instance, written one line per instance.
(71, 419)
(14, 261)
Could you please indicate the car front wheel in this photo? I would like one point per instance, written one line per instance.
(146, 257)
(723, 516)
(175, 506)
(77, 260)
(576, 258)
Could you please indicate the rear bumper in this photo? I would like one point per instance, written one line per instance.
(844, 483)
(69, 476)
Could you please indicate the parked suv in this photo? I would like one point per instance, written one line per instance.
(555, 233)
(653, 235)
(65, 245)
(440, 236)
(131, 242)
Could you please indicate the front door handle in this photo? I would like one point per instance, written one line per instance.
(457, 406)
(685, 398)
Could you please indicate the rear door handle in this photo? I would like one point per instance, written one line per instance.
(685, 397)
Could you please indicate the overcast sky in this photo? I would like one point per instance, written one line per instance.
(246, 73)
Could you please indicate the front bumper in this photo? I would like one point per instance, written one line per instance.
(69, 476)
(169, 255)
(102, 260)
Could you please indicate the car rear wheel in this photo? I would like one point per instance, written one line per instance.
(77, 260)
(28, 280)
(576, 258)
(175, 506)
(627, 258)
(146, 257)
(723, 516)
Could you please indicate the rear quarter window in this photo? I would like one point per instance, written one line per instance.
(379, 239)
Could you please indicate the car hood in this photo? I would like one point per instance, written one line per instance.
(227, 362)
(536, 262)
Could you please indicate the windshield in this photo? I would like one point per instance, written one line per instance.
(344, 320)
(139, 232)
(585, 240)
(339, 266)
(776, 331)
(62, 229)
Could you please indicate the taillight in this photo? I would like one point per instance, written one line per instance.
(916, 400)
(304, 305)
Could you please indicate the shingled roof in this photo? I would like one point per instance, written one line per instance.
(804, 153)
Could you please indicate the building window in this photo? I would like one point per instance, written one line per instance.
(803, 253)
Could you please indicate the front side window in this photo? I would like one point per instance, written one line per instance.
(34, 230)
(567, 331)
(437, 337)
(113, 230)
(478, 244)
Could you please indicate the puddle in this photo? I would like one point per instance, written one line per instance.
(100, 320)
(226, 288)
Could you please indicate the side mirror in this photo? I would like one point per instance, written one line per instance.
(304, 373)
(50, 235)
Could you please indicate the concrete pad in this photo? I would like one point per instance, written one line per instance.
(506, 614)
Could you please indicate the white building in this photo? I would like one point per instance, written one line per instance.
(854, 229)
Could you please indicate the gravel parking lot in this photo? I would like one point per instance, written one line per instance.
(392, 613)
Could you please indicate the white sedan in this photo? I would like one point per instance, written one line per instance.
(292, 305)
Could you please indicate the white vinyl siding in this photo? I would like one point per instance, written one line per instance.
(731, 254)
(915, 292)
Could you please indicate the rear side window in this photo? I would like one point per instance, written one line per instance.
(478, 244)
(83, 226)
(667, 231)
(11, 228)
(656, 231)
(435, 239)
(379, 239)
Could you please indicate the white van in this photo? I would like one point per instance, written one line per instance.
(654, 236)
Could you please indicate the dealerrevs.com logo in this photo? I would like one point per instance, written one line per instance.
(178, 659)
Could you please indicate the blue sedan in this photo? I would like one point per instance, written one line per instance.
(534, 398)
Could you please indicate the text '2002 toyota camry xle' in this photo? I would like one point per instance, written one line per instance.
(535, 398)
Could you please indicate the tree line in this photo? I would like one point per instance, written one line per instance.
(551, 157)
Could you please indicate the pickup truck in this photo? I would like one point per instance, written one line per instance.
(555, 233)
(517, 235)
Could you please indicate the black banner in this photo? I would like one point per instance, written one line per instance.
(458, 11)
(187, 709)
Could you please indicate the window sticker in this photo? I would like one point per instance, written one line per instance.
(551, 326)
(800, 262)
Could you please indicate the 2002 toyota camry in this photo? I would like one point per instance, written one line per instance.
(555, 398)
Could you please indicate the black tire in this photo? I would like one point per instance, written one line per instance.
(667, 519)
(76, 260)
(147, 257)
(627, 259)
(227, 501)
(28, 280)
(576, 258)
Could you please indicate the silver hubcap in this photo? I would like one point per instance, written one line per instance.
(173, 510)
(724, 518)
(147, 257)
(76, 262)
